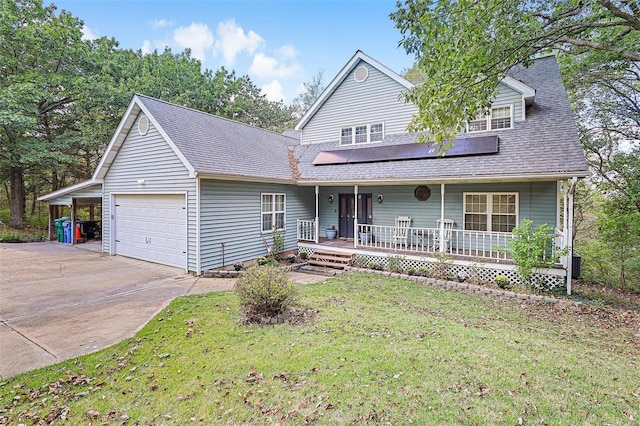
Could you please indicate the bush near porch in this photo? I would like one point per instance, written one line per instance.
(381, 350)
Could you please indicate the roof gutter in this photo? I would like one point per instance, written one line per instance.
(449, 179)
(243, 178)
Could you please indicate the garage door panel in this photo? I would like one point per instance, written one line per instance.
(151, 227)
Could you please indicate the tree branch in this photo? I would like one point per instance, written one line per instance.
(632, 20)
(633, 56)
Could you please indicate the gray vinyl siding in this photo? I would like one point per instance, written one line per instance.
(508, 96)
(537, 201)
(230, 213)
(376, 100)
(150, 157)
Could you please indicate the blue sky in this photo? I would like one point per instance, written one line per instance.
(278, 43)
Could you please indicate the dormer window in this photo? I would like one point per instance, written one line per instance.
(500, 117)
(365, 133)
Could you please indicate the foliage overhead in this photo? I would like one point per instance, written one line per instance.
(312, 91)
(61, 97)
(465, 47)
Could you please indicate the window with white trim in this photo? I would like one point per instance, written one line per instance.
(490, 211)
(500, 117)
(365, 133)
(273, 211)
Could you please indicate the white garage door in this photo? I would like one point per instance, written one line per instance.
(152, 227)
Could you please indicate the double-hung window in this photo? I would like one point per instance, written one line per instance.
(500, 117)
(365, 133)
(273, 211)
(496, 212)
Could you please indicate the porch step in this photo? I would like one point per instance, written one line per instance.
(330, 259)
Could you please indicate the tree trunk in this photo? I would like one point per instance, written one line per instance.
(17, 200)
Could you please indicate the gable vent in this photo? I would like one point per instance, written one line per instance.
(143, 125)
(361, 74)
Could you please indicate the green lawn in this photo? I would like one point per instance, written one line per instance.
(380, 350)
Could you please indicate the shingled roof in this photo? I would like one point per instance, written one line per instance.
(544, 146)
(220, 147)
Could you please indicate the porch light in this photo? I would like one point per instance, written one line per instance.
(141, 181)
(380, 198)
(331, 198)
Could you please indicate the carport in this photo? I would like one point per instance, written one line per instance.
(87, 193)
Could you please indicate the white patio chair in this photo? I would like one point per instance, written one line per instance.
(401, 230)
(448, 226)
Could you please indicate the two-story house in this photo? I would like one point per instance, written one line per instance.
(199, 192)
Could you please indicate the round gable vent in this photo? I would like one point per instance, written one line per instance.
(361, 74)
(143, 125)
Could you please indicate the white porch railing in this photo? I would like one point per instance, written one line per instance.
(306, 230)
(475, 244)
(560, 241)
(486, 245)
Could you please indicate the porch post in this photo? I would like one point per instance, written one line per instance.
(355, 216)
(74, 211)
(569, 234)
(442, 242)
(317, 224)
(52, 230)
(564, 217)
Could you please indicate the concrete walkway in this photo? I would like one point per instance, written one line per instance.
(59, 301)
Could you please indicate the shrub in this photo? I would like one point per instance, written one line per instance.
(10, 237)
(303, 254)
(375, 265)
(238, 266)
(361, 261)
(267, 261)
(411, 270)
(502, 281)
(423, 271)
(531, 249)
(395, 263)
(265, 292)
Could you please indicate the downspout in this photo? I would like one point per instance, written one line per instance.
(355, 216)
(569, 234)
(198, 236)
(442, 245)
(317, 223)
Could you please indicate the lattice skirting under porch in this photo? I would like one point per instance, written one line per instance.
(480, 272)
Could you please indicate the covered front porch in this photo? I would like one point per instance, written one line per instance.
(382, 222)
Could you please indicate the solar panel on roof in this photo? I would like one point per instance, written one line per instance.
(371, 154)
(413, 151)
(333, 157)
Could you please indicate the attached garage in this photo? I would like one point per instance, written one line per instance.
(151, 227)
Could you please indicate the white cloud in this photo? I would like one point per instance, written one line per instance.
(273, 91)
(197, 37)
(286, 52)
(264, 66)
(146, 47)
(159, 23)
(88, 34)
(233, 40)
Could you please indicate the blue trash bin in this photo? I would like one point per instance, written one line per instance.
(67, 232)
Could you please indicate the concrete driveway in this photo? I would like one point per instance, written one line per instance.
(58, 301)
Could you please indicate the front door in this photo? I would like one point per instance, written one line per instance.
(347, 208)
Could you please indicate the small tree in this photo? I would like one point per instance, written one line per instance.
(532, 249)
(278, 243)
